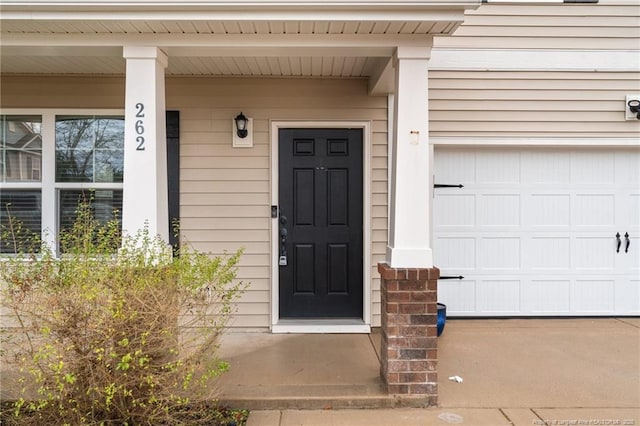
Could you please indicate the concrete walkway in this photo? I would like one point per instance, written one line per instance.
(516, 372)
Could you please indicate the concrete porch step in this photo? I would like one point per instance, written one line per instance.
(294, 371)
(326, 403)
(317, 397)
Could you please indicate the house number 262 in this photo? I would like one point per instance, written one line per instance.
(140, 127)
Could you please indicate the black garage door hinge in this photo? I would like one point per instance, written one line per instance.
(442, 185)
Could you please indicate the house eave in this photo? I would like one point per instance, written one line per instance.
(242, 5)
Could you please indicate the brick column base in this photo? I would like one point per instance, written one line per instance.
(409, 335)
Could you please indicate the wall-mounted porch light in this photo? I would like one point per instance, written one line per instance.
(241, 125)
(634, 107)
(242, 131)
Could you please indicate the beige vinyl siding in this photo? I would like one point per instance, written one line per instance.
(61, 92)
(225, 191)
(531, 104)
(606, 25)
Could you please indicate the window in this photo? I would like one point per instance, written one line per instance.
(84, 161)
(20, 148)
(20, 163)
(20, 206)
(89, 149)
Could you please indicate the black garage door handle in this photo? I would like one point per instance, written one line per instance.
(627, 242)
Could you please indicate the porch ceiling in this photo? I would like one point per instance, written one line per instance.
(307, 38)
(68, 62)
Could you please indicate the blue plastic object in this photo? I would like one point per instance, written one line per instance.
(442, 317)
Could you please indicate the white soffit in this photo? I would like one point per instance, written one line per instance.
(335, 38)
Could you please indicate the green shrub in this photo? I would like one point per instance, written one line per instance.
(116, 331)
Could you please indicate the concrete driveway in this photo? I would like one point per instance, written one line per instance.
(541, 363)
(515, 372)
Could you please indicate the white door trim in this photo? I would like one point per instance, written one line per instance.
(323, 325)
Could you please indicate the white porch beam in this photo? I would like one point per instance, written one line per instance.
(145, 196)
(410, 197)
(382, 79)
(201, 41)
(202, 52)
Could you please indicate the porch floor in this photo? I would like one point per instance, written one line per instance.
(505, 364)
(311, 371)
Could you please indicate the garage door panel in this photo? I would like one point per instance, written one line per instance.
(456, 166)
(542, 210)
(534, 233)
(501, 253)
(498, 296)
(593, 296)
(593, 167)
(499, 210)
(546, 167)
(456, 253)
(455, 210)
(546, 296)
(459, 296)
(629, 210)
(498, 167)
(627, 296)
(544, 253)
(594, 210)
(627, 170)
(594, 253)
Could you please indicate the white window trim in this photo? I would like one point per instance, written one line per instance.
(48, 185)
(323, 325)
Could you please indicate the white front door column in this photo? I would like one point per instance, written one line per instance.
(410, 196)
(145, 199)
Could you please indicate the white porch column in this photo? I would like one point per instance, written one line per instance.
(410, 192)
(145, 199)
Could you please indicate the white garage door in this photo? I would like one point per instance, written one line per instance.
(533, 231)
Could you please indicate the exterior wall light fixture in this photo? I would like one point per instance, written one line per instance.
(241, 125)
(242, 131)
(634, 107)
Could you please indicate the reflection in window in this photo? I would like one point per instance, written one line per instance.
(20, 148)
(20, 220)
(106, 205)
(89, 149)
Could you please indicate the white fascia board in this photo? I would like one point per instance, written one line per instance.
(443, 59)
(241, 10)
(232, 4)
(186, 14)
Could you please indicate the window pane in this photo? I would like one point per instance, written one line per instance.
(20, 148)
(20, 220)
(106, 204)
(108, 165)
(89, 149)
